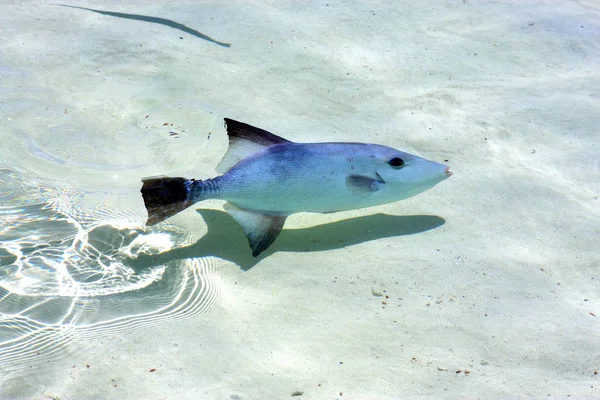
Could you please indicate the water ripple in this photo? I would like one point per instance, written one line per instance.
(65, 279)
(72, 220)
(28, 342)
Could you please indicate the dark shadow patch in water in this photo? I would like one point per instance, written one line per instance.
(154, 20)
(226, 240)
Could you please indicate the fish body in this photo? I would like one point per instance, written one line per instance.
(267, 178)
(322, 178)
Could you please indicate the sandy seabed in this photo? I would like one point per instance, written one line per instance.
(485, 287)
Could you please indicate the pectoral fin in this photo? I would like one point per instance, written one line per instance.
(364, 184)
(260, 229)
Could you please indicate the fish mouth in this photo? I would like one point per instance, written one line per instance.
(447, 171)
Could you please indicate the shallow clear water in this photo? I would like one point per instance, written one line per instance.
(484, 287)
(73, 225)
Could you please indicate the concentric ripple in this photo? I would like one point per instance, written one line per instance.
(30, 339)
(46, 250)
(64, 277)
(72, 219)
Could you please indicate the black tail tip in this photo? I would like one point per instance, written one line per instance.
(164, 197)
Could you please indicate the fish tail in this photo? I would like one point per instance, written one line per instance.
(165, 197)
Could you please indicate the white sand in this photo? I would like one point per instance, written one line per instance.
(501, 301)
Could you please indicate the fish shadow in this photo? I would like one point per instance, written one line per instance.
(226, 240)
(153, 20)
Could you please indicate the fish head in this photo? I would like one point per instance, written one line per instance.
(406, 175)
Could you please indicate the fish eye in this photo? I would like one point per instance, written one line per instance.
(396, 162)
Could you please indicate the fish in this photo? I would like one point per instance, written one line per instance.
(266, 178)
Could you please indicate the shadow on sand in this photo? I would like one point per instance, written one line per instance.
(154, 20)
(225, 239)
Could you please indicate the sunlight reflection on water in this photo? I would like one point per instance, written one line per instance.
(72, 219)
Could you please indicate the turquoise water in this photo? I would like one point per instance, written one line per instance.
(483, 287)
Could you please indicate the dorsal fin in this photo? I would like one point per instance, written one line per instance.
(245, 140)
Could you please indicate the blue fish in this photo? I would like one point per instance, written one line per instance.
(266, 178)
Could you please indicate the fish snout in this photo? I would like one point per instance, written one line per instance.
(447, 171)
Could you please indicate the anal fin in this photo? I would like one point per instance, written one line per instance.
(260, 229)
